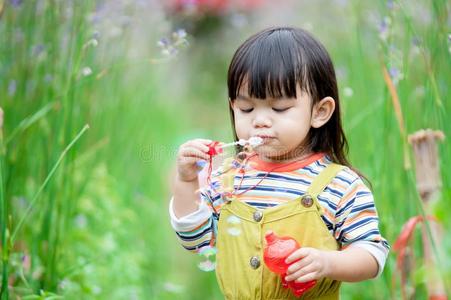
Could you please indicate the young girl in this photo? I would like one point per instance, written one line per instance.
(298, 182)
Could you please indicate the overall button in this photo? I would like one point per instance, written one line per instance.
(254, 262)
(307, 200)
(258, 215)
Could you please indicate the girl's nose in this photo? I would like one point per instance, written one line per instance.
(261, 120)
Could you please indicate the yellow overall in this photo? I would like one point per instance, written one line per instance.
(240, 268)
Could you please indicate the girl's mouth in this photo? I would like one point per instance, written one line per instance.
(265, 138)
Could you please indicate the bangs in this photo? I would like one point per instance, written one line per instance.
(271, 64)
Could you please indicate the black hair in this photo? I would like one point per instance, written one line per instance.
(273, 62)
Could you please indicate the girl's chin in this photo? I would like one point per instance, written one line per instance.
(269, 154)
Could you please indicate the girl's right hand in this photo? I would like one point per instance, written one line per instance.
(187, 157)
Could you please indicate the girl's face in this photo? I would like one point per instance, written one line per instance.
(283, 124)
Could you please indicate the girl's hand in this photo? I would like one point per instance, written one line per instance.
(188, 155)
(309, 264)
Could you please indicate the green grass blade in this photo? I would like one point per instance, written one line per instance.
(27, 122)
(47, 179)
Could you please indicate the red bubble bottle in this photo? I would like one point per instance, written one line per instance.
(276, 251)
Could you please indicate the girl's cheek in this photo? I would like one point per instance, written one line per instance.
(241, 129)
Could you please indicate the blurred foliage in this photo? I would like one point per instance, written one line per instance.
(146, 78)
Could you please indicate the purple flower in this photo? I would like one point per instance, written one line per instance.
(12, 85)
(181, 33)
(16, 3)
(96, 34)
(384, 28)
(48, 78)
(163, 43)
(394, 72)
(170, 51)
(416, 42)
(170, 46)
(390, 4)
(37, 49)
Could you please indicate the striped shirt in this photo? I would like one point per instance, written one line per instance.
(348, 206)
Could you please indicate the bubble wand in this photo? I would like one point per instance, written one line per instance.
(216, 148)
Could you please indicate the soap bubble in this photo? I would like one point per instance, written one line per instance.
(209, 254)
(207, 251)
(207, 266)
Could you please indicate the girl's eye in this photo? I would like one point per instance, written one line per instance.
(246, 110)
(280, 109)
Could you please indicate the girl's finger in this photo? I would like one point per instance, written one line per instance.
(307, 277)
(193, 152)
(198, 147)
(302, 263)
(204, 141)
(190, 160)
(299, 273)
(196, 144)
(199, 141)
(298, 254)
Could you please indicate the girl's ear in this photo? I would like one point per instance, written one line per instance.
(322, 111)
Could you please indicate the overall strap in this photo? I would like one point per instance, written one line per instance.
(227, 178)
(323, 179)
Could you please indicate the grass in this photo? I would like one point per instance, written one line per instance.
(92, 222)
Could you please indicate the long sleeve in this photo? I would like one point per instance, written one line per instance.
(195, 230)
(357, 223)
(199, 228)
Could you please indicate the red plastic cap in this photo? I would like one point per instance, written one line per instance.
(270, 237)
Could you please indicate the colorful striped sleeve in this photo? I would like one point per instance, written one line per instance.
(356, 218)
(195, 230)
(199, 228)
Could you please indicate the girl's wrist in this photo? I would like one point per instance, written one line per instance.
(330, 258)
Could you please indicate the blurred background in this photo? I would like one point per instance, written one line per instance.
(84, 210)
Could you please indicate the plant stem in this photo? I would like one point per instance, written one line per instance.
(47, 179)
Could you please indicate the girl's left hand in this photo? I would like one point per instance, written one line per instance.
(309, 264)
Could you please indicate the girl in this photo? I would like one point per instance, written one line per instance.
(282, 88)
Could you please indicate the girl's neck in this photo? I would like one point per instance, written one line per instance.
(287, 165)
(286, 158)
(299, 153)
